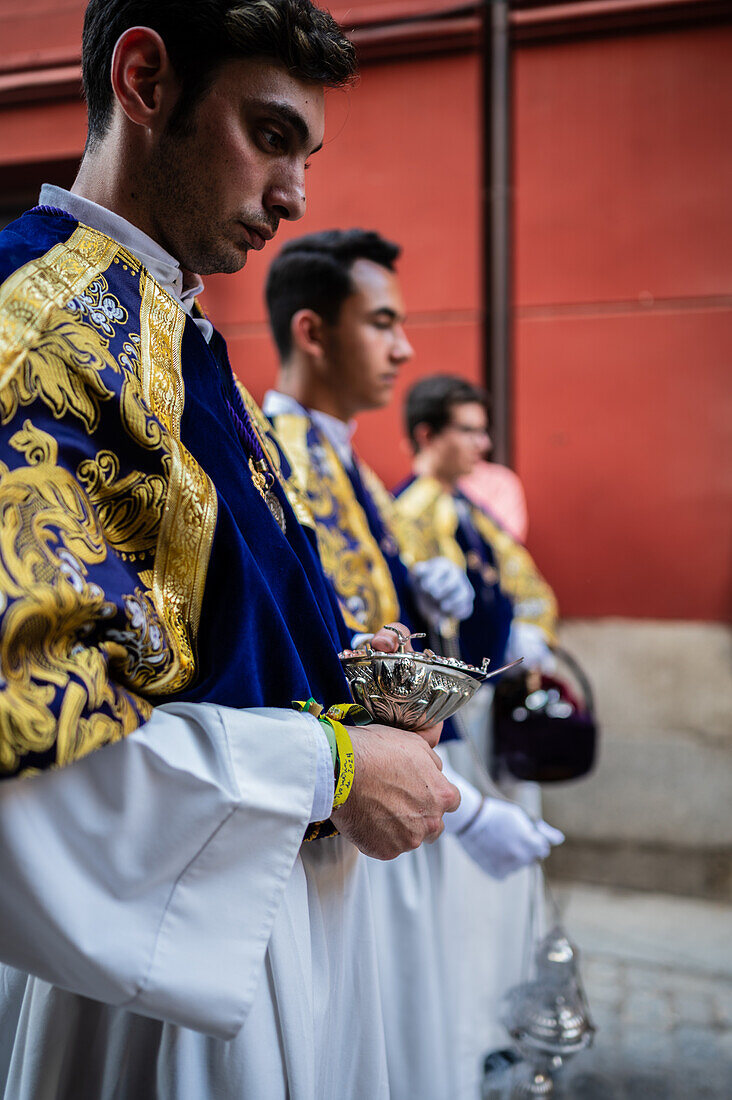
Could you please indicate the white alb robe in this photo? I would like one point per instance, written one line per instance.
(164, 876)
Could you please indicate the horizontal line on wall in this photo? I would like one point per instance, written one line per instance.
(638, 306)
(401, 30)
(415, 320)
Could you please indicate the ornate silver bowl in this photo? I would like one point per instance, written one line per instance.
(411, 690)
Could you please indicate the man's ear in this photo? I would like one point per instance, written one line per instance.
(307, 331)
(423, 435)
(143, 80)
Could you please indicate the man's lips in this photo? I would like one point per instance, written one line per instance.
(257, 237)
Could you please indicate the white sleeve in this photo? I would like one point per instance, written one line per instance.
(148, 874)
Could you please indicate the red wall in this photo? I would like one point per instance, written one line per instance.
(624, 319)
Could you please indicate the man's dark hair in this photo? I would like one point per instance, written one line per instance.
(200, 35)
(314, 272)
(432, 400)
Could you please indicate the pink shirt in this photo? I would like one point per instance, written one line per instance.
(499, 490)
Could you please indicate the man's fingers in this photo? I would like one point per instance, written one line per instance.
(431, 735)
(436, 759)
(453, 800)
(435, 835)
(386, 641)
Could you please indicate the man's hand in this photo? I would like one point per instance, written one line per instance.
(528, 640)
(399, 793)
(503, 838)
(441, 591)
(499, 836)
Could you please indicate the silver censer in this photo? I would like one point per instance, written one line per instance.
(411, 690)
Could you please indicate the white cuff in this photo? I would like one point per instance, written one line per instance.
(324, 777)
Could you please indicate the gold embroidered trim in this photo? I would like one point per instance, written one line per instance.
(189, 515)
(360, 574)
(30, 294)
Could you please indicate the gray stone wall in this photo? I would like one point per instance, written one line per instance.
(657, 811)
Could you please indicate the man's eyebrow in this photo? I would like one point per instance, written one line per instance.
(292, 118)
(392, 313)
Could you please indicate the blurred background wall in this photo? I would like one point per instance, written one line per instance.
(620, 309)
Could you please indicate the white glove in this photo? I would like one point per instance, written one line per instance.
(499, 836)
(441, 590)
(528, 640)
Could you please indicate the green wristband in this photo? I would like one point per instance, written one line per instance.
(330, 734)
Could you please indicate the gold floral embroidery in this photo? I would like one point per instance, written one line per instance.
(130, 508)
(65, 368)
(62, 692)
(50, 536)
(350, 555)
(35, 291)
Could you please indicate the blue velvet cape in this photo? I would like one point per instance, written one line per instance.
(139, 561)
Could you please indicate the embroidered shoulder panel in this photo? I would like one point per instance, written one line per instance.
(430, 511)
(426, 503)
(107, 520)
(532, 598)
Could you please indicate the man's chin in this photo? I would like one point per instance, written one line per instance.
(384, 396)
(224, 262)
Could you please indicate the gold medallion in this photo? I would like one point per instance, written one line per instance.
(263, 482)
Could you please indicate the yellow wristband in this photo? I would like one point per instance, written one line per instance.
(346, 763)
(352, 713)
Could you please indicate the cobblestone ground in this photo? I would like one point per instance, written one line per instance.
(658, 975)
(663, 1034)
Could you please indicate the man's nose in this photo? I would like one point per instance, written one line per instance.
(402, 350)
(285, 197)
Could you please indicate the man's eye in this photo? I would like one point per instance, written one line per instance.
(272, 139)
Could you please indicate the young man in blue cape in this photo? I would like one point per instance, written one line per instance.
(337, 316)
(163, 931)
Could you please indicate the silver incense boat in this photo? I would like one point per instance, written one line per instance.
(411, 690)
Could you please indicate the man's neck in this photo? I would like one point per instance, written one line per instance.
(423, 466)
(102, 181)
(308, 393)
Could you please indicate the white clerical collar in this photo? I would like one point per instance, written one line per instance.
(338, 432)
(163, 267)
